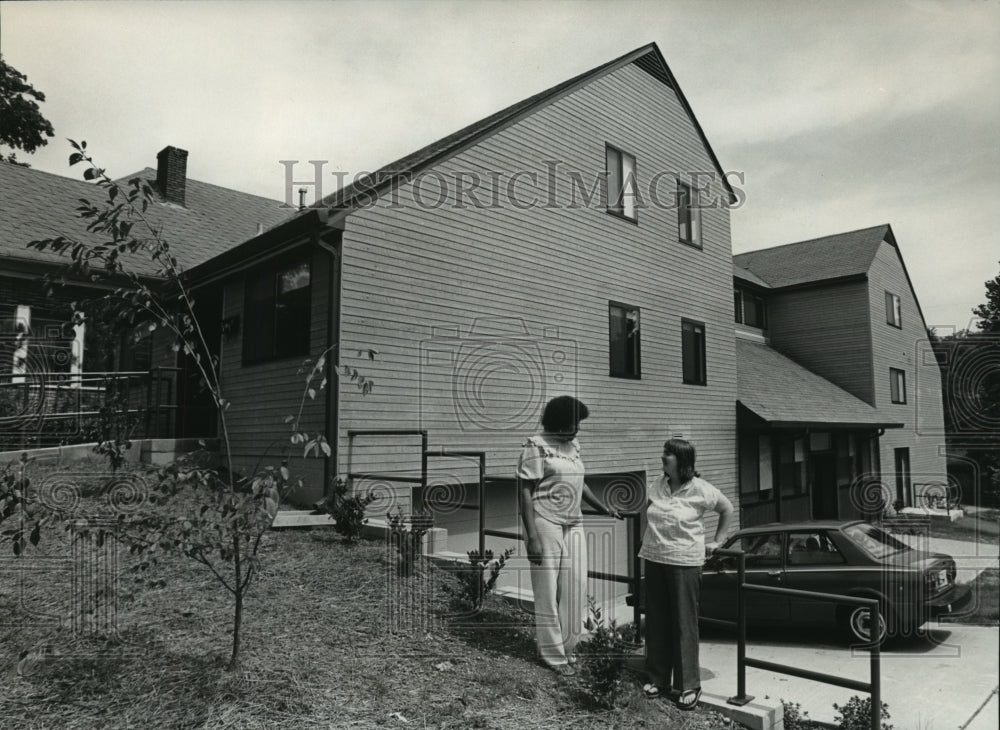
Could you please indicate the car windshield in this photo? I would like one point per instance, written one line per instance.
(874, 541)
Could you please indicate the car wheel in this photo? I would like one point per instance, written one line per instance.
(856, 623)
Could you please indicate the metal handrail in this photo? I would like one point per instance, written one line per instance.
(872, 687)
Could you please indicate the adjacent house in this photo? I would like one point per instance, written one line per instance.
(48, 366)
(839, 394)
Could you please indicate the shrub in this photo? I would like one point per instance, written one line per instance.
(795, 717)
(473, 584)
(602, 659)
(856, 714)
(406, 534)
(347, 510)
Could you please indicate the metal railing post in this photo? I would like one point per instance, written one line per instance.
(633, 546)
(741, 697)
(876, 679)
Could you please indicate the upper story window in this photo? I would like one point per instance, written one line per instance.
(688, 216)
(693, 352)
(624, 341)
(897, 385)
(621, 184)
(749, 309)
(277, 312)
(893, 310)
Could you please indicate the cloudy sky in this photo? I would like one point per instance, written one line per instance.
(842, 114)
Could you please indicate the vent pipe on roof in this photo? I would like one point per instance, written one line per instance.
(171, 174)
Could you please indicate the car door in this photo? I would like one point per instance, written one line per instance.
(813, 563)
(764, 553)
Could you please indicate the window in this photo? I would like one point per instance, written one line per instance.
(277, 313)
(693, 349)
(897, 385)
(792, 466)
(688, 216)
(893, 310)
(749, 309)
(812, 548)
(623, 340)
(621, 183)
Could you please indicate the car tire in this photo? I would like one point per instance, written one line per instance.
(854, 622)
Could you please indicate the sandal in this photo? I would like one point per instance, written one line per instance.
(689, 699)
(651, 690)
(563, 670)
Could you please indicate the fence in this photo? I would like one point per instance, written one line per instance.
(40, 409)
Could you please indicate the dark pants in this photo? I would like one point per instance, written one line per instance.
(672, 594)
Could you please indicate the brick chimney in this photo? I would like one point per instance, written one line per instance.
(171, 174)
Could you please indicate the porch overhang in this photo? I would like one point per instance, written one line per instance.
(780, 393)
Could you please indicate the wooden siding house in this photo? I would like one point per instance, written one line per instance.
(549, 249)
(48, 367)
(840, 407)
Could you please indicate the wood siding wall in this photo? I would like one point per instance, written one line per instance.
(263, 394)
(416, 280)
(827, 330)
(907, 349)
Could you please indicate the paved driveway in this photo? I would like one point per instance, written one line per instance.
(945, 681)
(936, 683)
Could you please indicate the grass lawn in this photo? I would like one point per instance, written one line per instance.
(318, 652)
(984, 610)
(984, 527)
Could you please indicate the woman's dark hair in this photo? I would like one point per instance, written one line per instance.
(563, 413)
(684, 452)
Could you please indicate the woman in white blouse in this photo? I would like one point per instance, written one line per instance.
(674, 549)
(551, 487)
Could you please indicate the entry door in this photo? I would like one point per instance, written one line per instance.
(824, 485)
(904, 488)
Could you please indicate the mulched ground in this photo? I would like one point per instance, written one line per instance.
(333, 638)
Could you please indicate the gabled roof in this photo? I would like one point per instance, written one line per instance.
(840, 256)
(784, 394)
(35, 205)
(648, 58)
(746, 275)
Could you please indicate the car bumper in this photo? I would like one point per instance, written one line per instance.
(949, 601)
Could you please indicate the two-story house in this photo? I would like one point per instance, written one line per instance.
(552, 248)
(840, 404)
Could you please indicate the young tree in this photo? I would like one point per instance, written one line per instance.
(22, 125)
(210, 515)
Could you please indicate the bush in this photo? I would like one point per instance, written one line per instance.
(795, 717)
(857, 714)
(473, 584)
(406, 534)
(602, 659)
(347, 510)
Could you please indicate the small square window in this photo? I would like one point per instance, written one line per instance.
(897, 385)
(621, 183)
(749, 309)
(688, 216)
(693, 352)
(624, 346)
(893, 310)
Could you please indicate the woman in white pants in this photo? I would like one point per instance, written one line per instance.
(551, 487)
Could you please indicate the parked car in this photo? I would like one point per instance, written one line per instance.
(850, 558)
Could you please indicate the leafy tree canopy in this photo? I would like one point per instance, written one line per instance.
(989, 312)
(22, 125)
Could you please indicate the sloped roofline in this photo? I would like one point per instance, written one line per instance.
(887, 236)
(399, 170)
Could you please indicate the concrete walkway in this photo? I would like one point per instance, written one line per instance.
(943, 682)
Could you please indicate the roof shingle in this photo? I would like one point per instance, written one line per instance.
(819, 259)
